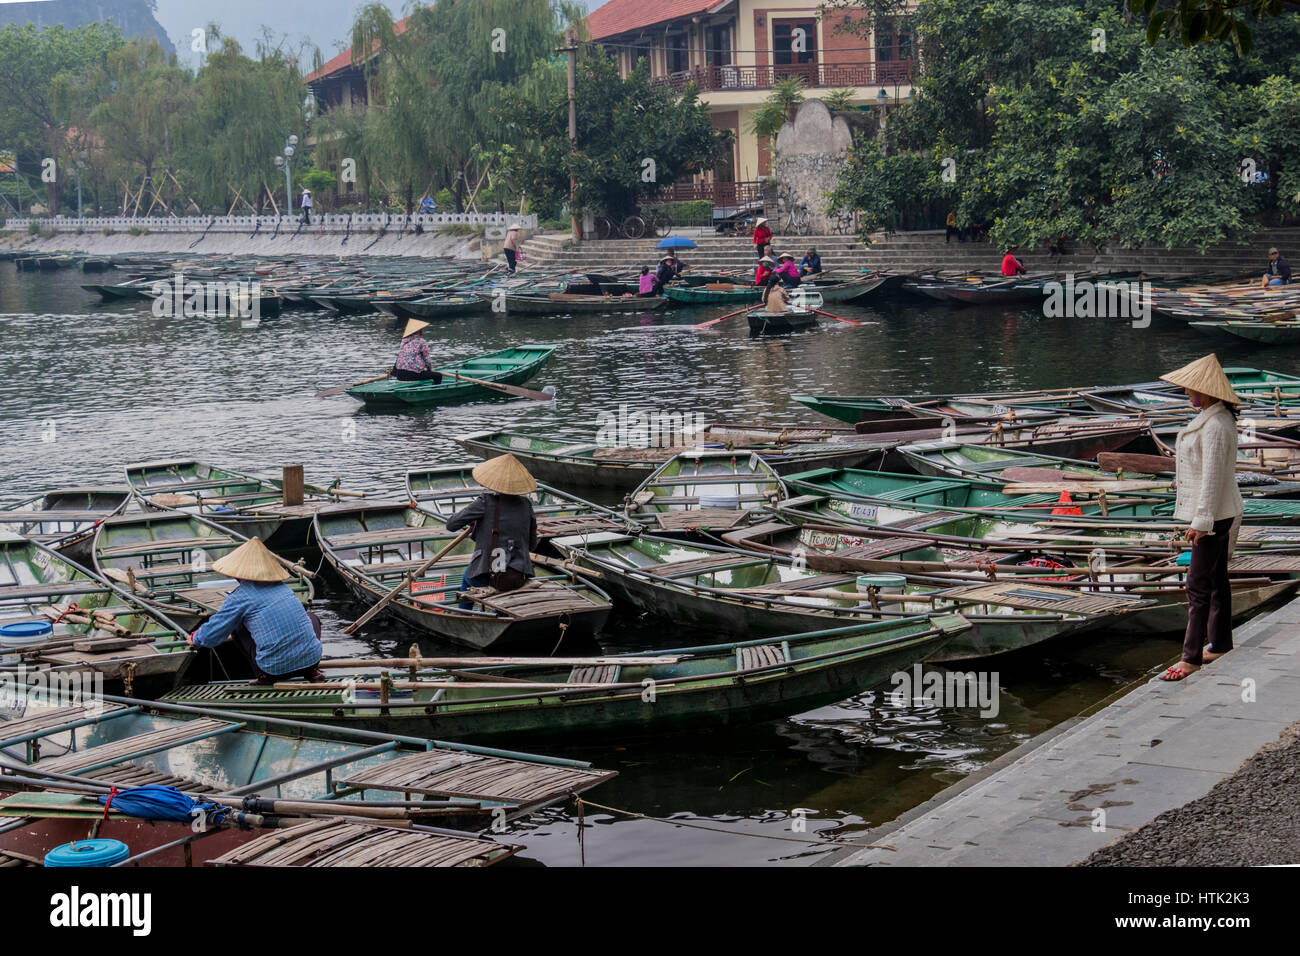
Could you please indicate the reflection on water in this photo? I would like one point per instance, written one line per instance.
(121, 385)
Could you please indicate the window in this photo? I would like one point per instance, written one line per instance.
(794, 42)
(893, 41)
(719, 46)
(885, 42)
(679, 58)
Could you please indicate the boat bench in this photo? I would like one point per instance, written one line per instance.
(406, 534)
(755, 656)
(596, 674)
(165, 545)
(912, 491)
(535, 600)
(701, 517)
(679, 569)
(456, 774)
(334, 842)
(141, 745)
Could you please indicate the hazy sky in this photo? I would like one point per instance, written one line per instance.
(326, 23)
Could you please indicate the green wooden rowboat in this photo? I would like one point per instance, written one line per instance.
(247, 505)
(762, 322)
(562, 303)
(434, 307)
(705, 490)
(940, 553)
(65, 518)
(886, 498)
(849, 290)
(95, 628)
(1265, 333)
(294, 776)
(164, 559)
(743, 593)
(507, 367)
(374, 547)
(700, 295)
(709, 686)
(444, 490)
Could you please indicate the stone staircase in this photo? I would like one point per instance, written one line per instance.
(910, 252)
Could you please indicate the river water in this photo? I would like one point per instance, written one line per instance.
(86, 388)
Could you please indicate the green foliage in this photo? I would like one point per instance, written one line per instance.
(1189, 22)
(1082, 128)
(838, 100)
(627, 129)
(778, 108)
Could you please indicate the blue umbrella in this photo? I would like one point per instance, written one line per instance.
(676, 242)
(154, 802)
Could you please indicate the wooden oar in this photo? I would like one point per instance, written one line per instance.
(837, 318)
(343, 388)
(508, 389)
(387, 598)
(730, 315)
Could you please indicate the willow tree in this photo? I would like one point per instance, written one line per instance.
(142, 100)
(436, 86)
(244, 110)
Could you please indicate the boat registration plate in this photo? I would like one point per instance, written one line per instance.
(862, 511)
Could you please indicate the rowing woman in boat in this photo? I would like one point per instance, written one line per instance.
(1208, 499)
(413, 362)
(775, 300)
(264, 618)
(505, 527)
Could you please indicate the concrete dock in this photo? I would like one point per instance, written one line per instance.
(1156, 747)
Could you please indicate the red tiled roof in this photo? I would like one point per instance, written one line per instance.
(344, 59)
(624, 16)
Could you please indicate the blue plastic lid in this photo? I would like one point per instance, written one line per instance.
(88, 853)
(224, 509)
(1184, 559)
(26, 629)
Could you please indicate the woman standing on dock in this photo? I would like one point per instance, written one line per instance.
(1208, 498)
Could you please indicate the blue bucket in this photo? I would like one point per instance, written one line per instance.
(1184, 559)
(88, 853)
(22, 633)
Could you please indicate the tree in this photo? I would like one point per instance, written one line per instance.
(778, 108)
(1080, 127)
(1189, 22)
(635, 137)
(32, 120)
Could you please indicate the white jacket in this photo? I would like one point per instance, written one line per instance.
(1207, 469)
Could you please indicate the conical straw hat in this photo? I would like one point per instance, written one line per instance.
(505, 475)
(1205, 375)
(413, 326)
(251, 561)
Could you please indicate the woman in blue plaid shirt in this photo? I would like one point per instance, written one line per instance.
(265, 619)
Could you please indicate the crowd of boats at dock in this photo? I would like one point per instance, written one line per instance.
(800, 563)
(429, 289)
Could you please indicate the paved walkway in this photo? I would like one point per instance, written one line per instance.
(1158, 747)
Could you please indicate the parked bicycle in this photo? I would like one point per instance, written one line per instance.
(652, 222)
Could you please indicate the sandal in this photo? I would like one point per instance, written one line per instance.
(1177, 673)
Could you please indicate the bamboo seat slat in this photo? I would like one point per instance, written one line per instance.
(168, 544)
(595, 674)
(52, 718)
(341, 843)
(128, 747)
(475, 777)
(713, 517)
(759, 655)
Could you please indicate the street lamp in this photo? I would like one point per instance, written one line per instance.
(82, 156)
(285, 162)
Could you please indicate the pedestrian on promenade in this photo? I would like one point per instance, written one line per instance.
(1011, 266)
(1208, 499)
(952, 230)
(305, 203)
(511, 248)
(762, 239)
(1278, 271)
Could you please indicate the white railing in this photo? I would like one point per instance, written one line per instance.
(338, 223)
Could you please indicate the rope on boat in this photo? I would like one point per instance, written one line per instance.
(583, 804)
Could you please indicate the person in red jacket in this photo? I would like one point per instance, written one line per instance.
(766, 266)
(762, 238)
(1011, 266)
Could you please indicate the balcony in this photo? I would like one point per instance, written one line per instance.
(722, 79)
(722, 195)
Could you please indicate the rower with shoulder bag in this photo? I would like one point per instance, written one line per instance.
(510, 579)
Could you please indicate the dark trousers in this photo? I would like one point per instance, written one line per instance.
(473, 581)
(761, 251)
(306, 216)
(1209, 596)
(244, 641)
(511, 258)
(406, 375)
(952, 231)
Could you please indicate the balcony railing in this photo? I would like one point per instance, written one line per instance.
(720, 194)
(720, 79)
